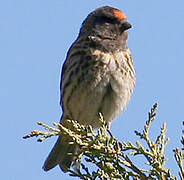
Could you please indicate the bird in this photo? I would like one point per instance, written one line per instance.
(98, 76)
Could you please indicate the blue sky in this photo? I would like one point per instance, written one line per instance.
(35, 37)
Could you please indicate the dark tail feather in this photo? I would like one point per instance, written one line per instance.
(60, 155)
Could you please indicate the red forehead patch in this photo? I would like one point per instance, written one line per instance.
(119, 14)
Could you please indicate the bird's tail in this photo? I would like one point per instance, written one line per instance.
(60, 155)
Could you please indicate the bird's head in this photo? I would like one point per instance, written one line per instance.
(105, 23)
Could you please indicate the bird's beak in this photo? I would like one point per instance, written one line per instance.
(125, 26)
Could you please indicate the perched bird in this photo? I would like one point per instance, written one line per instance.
(98, 76)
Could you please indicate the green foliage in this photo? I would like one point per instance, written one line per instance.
(111, 158)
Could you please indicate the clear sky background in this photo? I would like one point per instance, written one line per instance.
(34, 38)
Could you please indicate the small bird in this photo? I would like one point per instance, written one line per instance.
(98, 76)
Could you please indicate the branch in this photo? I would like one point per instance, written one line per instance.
(111, 158)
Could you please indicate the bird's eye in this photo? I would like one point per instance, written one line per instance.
(104, 19)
